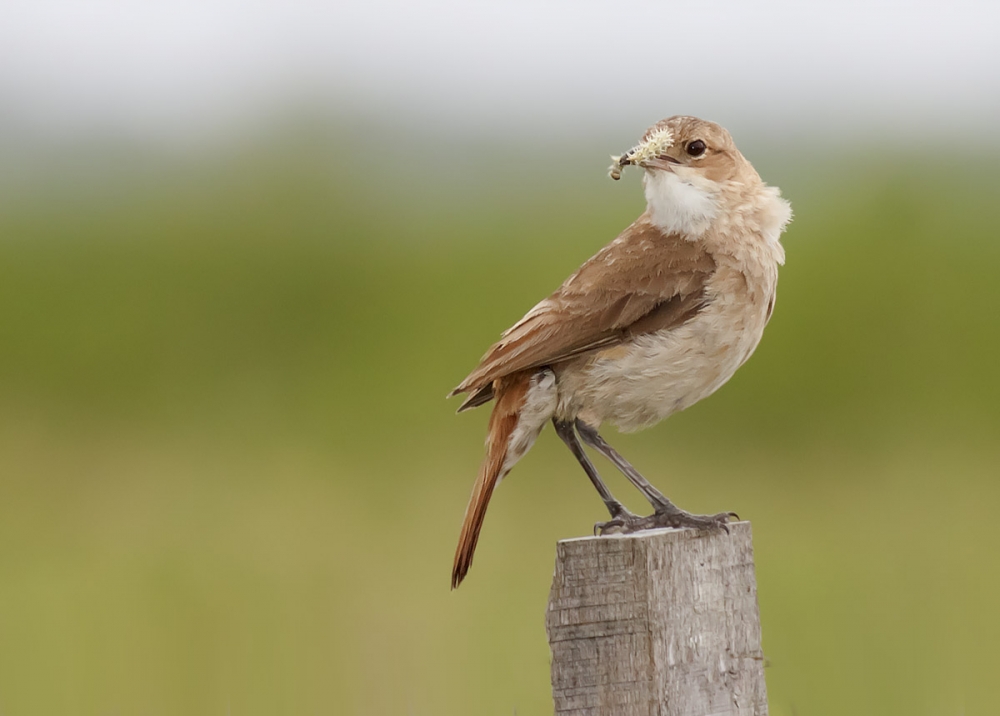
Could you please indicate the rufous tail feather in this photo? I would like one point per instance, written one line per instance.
(510, 394)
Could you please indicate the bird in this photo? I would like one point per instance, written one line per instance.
(655, 321)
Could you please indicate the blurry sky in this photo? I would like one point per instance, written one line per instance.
(189, 69)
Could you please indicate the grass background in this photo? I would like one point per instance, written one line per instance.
(231, 484)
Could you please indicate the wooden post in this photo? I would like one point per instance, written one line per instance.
(659, 623)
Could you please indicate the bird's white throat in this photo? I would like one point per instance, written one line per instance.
(680, 205)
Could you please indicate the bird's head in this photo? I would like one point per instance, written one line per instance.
(688, 147)
(693, 173)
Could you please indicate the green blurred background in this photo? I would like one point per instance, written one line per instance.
(230, 482)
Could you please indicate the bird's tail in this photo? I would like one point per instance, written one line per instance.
(502, 451)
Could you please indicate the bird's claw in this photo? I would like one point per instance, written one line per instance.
(620, 516)
(629, 523)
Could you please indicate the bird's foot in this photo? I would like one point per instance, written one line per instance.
(620, 514)
(628, 523)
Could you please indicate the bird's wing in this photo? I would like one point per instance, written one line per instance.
(641, 282)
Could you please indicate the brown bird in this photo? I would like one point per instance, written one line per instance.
(657, 320)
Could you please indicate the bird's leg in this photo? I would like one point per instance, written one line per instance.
(656, 498)
(665, 512)
(564, 429)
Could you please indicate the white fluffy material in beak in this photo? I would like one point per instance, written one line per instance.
(656, 144)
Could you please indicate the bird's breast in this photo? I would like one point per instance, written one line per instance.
(651, 376)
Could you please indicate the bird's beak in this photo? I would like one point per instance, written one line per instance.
(663, 162)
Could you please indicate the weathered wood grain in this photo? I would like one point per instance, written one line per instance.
(659, 623)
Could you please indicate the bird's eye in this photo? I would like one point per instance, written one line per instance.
(696, 148)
